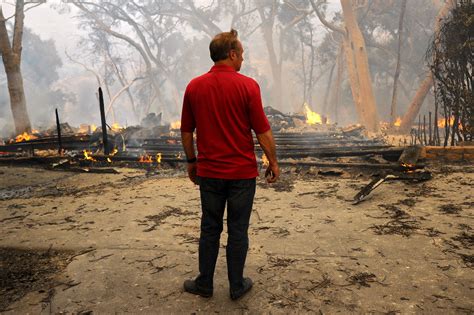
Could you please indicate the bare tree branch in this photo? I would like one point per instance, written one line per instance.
(27, 9)
(323, 20)
(108, 30)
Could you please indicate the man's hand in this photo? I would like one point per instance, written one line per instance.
(267, 143)
(272, 173)
(192, 172)
(188, 146)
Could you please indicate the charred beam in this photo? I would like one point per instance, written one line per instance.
(103, 122)
(58, 128)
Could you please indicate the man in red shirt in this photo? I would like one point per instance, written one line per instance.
(224, 107)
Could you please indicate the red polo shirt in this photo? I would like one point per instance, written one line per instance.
(223, 106)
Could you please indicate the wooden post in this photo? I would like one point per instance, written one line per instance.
(58, 128)
(436, 129)
(419, 129)
(430, 142)
(424, 129)
(103, 122)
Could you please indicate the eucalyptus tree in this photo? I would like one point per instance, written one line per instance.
(357, 64)
(40, 64)
(148, 29)
(165, 35)
(11, 56)
(379, 23)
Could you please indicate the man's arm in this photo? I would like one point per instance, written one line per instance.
(267, 143)
(188, 146)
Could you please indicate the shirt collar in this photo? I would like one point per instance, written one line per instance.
(222, 68)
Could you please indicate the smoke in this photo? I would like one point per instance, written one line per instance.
(304, 55)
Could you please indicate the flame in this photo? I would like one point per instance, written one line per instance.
(398, 122)
(109, 160)
(442, 122)
(116, 127)
(87, 156)
(311, 117)
(114, 151)
(146, 159)
(158, 158)
(24, 137)
(265, 161)
(85, 128)
(409, 168)
(175, 124)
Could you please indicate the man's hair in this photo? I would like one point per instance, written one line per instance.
(222, 44)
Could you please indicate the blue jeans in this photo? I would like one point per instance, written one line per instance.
(239, 195)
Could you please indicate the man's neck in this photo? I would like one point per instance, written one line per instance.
(226, 62)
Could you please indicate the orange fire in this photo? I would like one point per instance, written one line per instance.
(116, 127)
(24, 137)
(87, 156)
(442, 122)
(398, 122)
(86, 129)
(114, 151)
(146, 159)
(265, 160)
(312, 117)
(175, 124)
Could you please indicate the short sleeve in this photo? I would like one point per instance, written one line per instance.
(188, 123)
(258, 119)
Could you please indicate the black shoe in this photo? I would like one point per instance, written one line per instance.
(247, 285)
(190, 286)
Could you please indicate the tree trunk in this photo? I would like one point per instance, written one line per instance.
(275, 64)
(17, 99)
(415, 105)
(11, 56)
(337, 85)
(328, 89)
(276, 69)
(355, 44)
(393, 107)
(353, 78)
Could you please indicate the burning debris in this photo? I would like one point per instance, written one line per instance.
(156, 144)
(407, 161)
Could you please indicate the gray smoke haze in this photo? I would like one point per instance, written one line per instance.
(70, 83)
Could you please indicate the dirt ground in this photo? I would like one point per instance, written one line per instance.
(112, 243)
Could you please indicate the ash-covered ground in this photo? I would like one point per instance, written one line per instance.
(113, 243)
